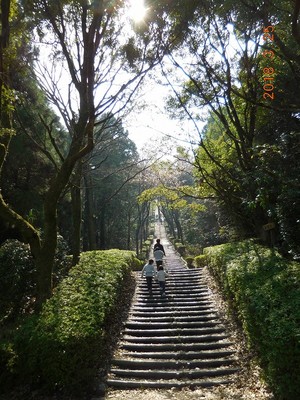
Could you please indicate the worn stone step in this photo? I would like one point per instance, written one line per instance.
(173, 319)
(173, 374)
(175, 293)
(166, 301)
(172, 324)
(184, 285)
(176, 282)
(169, 384)
(171, 364)
(182, 278)
(157, 313)
(179, 355)
(180, 332)
(168, 307)
(177, 346)
(183, 272)
(175, 339)
(163, 302)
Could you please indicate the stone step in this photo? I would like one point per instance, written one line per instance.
(173, 374)
(181, 332)
(179, 355)
(176, 347)
(169, 384)
(184, 285)
(175, 339)
(169, 302)
(204, 306)
(173, 313)
(169, 323)
(172, 292)
(171, 364)
(175, 292)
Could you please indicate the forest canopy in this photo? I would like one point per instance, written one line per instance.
(68, 165)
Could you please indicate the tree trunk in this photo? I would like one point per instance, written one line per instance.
(89, 212)
(128, 241)
(45, 258)
(178, 226)
(76, 213)
(102, 233)
(168, 217)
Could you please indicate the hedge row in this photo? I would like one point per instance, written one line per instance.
(264, 289)
(67, 342)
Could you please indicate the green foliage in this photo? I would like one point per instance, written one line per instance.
(189, 260)
(137, 264)
(201, 260)
(180, 248)
(108, 180)
(265, 291)
(249, 150)
(62, 347)
(18, 275)
(142, 256)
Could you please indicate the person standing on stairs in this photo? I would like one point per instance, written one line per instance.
(149, 272)
(159, 246)
(158, 255)
(161, 277)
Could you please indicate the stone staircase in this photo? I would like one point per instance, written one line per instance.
(173, 341)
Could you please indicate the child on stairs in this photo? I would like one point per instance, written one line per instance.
(161, 277)
(149, 271)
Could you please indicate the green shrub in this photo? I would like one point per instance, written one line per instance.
(180, 248)
(193, 250)
(142, 256)
(62, 347)
(146, 251)
(17, 282)
(18, 275)
(62, 260)
(137, 264)
(189, 261)
(265, 290)
(201, 261)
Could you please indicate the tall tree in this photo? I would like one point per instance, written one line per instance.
(85, 47)
(10, 42)
(238, 64)
(110, 172)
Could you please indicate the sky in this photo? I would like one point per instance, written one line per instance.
(151, 125)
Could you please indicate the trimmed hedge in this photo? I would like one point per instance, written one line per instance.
(65, 345)
(189, 260)
(201, 260)
(264, 289)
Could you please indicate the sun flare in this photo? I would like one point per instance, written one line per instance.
(137, 10)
